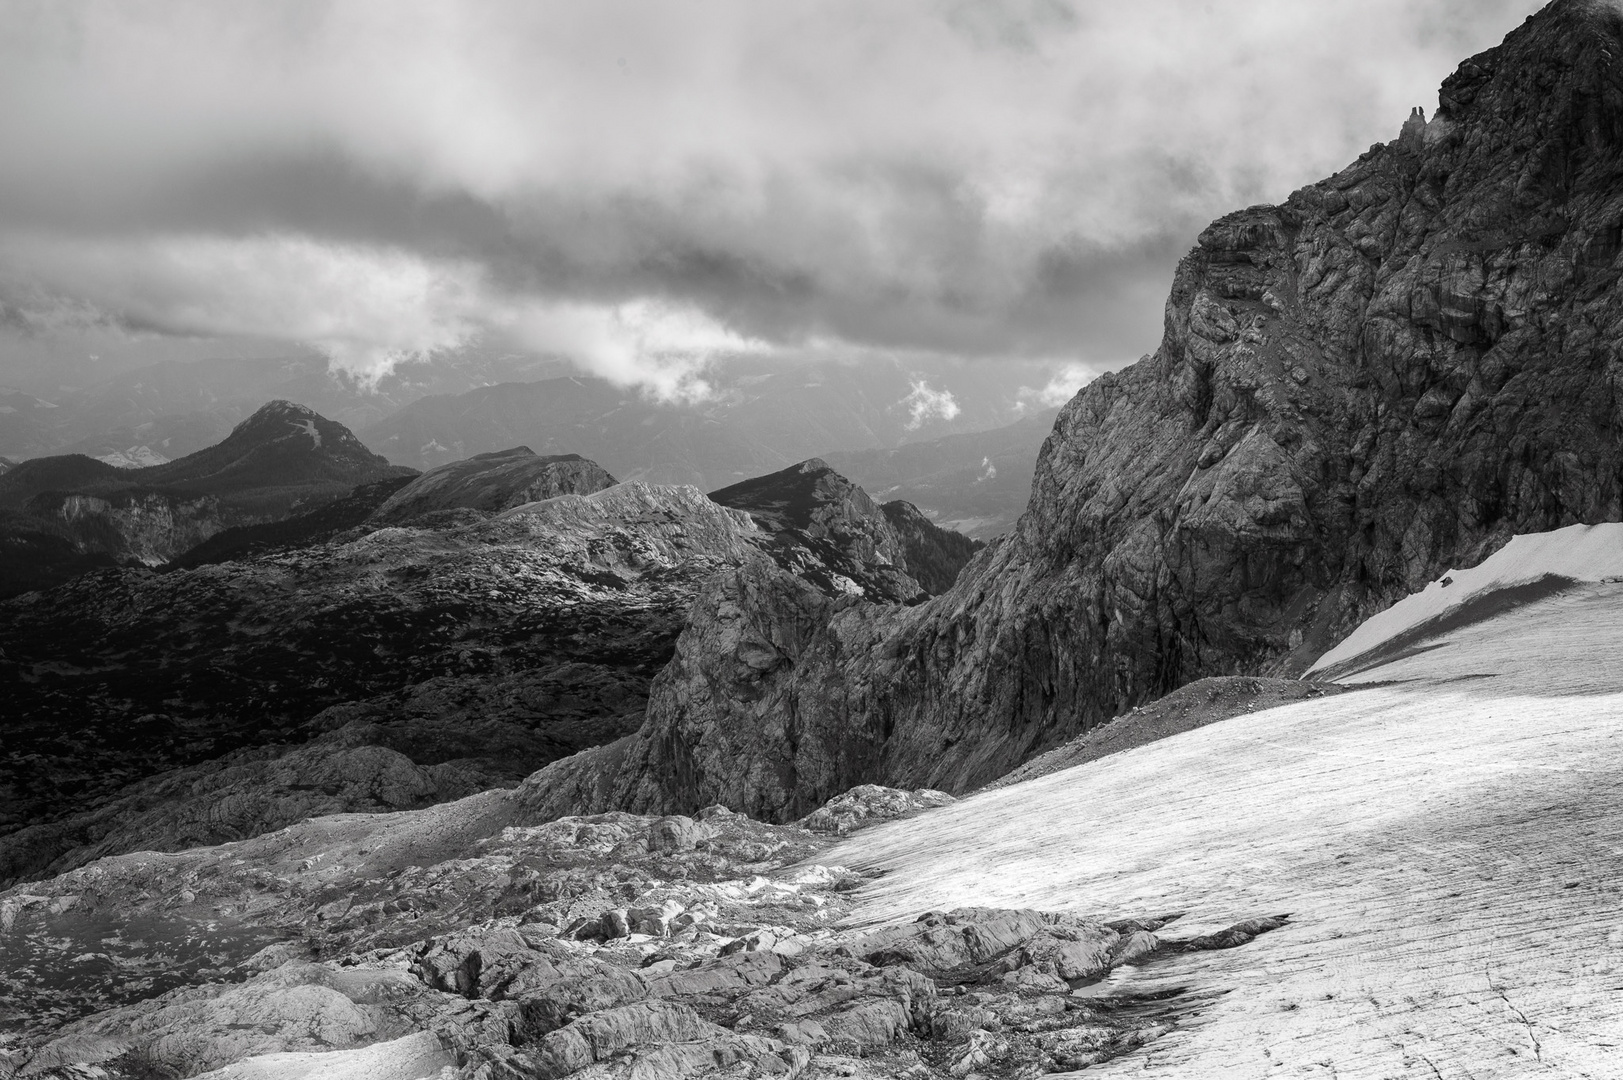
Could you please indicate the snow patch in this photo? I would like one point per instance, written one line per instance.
(1579, 553)
(135, 457)
(308, 427)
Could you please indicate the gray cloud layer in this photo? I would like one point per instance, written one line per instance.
(642, 185)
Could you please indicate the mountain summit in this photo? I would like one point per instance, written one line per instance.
(62, 516)
(280, 445)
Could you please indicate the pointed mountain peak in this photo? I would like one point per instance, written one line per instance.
(282, 443)
(793, 498)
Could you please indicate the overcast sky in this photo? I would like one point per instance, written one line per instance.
(644, 185)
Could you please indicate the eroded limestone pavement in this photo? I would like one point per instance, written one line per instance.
(607, 946)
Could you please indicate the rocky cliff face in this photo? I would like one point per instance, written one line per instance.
(496, 481)
(1387, 375)
(132, 525)
(324, 523)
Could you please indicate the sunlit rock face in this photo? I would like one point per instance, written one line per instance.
(132, 525)
(1387, 375)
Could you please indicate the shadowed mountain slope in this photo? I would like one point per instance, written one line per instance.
(302, 530)
(280, 460)
(497, 644)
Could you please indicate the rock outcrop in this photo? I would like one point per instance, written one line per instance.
(327, 522)
(494, 482)
(1389, 374)
(131, 525)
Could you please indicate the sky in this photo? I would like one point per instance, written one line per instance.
(645, 187)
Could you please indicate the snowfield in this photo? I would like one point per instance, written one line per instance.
(1578, 553)
(1448, 841)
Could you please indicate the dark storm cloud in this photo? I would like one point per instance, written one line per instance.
(643, 185)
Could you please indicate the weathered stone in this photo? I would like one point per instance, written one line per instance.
(868, 803)
(676, 833)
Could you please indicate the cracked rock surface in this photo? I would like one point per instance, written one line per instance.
(607, 946)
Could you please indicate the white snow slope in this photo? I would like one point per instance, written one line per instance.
(1448, 842)
(1589, 553)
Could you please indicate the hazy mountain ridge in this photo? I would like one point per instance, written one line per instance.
(174, 408)
(757, 420)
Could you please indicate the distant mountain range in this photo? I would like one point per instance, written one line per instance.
(975, 440)
(174, 408)
(775, 412)
(62, 515)
(758, 420)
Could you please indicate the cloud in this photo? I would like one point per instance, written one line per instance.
(922, 404)
(368, 308)
(663, 347)
(1059, 389)
(647, 182)
(365, 307)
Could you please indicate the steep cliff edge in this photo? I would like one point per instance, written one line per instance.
(1387, 375)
